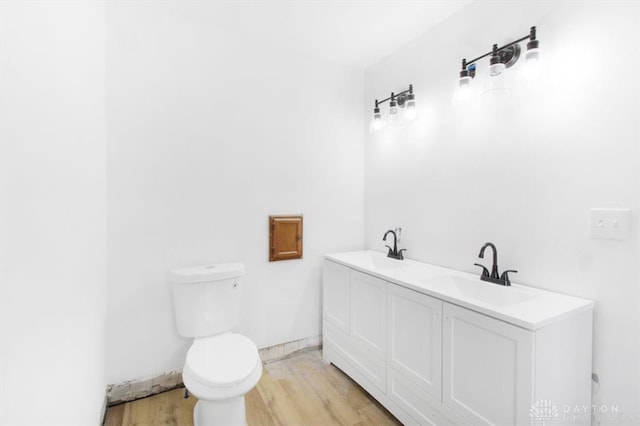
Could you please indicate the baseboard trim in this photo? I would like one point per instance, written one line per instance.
(141, 388)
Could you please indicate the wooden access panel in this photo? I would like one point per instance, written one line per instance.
(285, 237)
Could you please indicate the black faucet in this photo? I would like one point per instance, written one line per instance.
(393, 252)
(494, 277)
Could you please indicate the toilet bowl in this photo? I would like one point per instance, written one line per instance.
(219, 371)
(220, 366)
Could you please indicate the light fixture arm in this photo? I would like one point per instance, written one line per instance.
(532, 36)
(396, 96)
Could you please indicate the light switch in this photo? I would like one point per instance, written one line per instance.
(610, 224)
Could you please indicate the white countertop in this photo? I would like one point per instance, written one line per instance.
(527, 307)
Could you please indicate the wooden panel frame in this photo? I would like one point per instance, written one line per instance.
(285, 237)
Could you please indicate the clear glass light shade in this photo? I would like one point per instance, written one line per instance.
(410, 110)
(531, 69)
(496, 70)
(463, 93)
(377, 123)
(497, 83)
(393, 113)
(497, 79)
(394, 117)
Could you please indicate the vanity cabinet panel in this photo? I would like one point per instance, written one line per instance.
(333, 336)
(487, 368)
(414, 343)
(371, 367)
(354, 308)
(337, 295)
(418, 404)
(369, 314)
(409, 396)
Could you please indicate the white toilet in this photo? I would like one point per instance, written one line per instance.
(221, 366)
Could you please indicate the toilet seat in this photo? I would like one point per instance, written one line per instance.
(221, 366)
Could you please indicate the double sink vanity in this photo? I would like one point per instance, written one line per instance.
(438, 346)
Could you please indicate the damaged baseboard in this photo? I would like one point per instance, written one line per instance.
(136, 389)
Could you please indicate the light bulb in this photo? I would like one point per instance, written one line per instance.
(410, 107)
(377, 123)
(394, 118)
(496, 83)
(496, 79)
(410, 112)
(496, 69)
(464, 89)
(393, 111)
(531, 69)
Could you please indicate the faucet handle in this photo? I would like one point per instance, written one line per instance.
(485, 271)
(400, 253)
(505, 276)
(390, 249)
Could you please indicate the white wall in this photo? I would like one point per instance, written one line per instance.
(53, 214)
(523, 170)
(209, 132)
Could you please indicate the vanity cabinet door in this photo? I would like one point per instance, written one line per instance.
(414, 346)
(337, 295)
(368, 314)
(487, 368)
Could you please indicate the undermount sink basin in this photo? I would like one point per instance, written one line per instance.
(487, 293)
(386, 263)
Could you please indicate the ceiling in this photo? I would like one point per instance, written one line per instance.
(351, 32)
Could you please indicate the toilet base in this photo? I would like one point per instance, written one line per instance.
(225, 412)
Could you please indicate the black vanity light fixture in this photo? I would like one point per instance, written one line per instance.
(500, 59)
(405, 100)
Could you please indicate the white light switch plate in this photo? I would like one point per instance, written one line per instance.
(610, 224)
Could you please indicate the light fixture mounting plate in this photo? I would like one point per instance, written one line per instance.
(509, 55)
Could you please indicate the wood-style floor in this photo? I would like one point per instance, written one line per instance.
(302, 389)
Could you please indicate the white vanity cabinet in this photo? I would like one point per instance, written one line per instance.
(437, 350)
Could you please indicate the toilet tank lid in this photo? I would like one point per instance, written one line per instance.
(213, 272)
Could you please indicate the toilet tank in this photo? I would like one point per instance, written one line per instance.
(206, 299)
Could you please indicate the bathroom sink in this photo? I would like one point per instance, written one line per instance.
(480, 291)
(386, 263)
